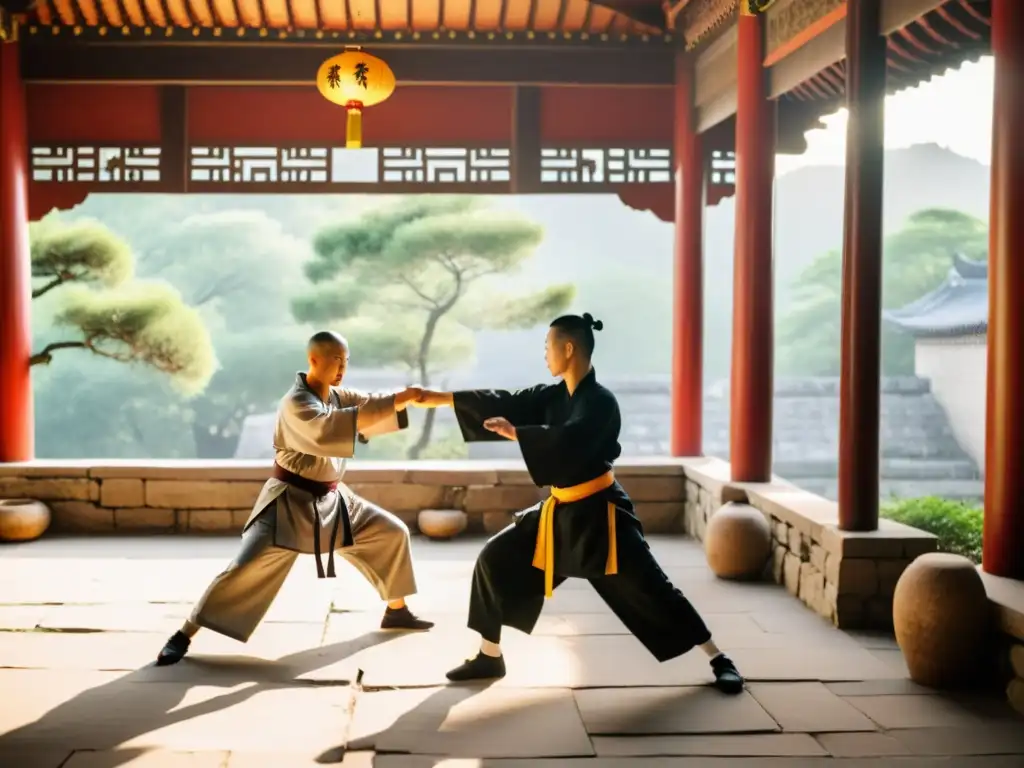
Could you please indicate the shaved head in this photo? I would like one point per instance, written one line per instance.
(325, 341)
(328, 357)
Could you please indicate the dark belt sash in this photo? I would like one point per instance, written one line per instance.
(319, 490)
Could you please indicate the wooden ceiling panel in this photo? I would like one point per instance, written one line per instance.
(305, 14)
(540, 16)
(488, 14)
(362, 15)
(517, 15)
(426, 14)
(458, 14)
(89, 13)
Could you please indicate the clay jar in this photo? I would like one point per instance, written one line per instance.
(942, 617)
(738, 542)
(441, 523)
(23, 519)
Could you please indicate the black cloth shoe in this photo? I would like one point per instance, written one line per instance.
(175, 649)
(483, 667)
(403, 618)
(727, 677)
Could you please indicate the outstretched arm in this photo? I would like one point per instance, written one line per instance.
(379, 414)
(474, 407)
(322, 429)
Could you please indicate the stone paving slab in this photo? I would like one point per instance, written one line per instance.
(670, 711)
(286, 698)
(891, 712)
(808, 708)
(422, 761)
(119, 713)
(732, 745)
(990, 738)
(146, 758)
(861, 745)
(46, 756)
(129, 651)
(471, 721)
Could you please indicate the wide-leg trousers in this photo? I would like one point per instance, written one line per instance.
(508, 591)
(240, 596)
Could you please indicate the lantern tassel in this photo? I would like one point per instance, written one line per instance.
(354, 127)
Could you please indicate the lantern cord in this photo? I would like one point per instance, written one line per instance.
(354, 127)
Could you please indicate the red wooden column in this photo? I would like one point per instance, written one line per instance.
(1003, 537)
(688, 281)
(750, 438)
(16, 418)
(859, 398)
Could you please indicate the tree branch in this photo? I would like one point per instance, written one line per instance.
(46, 355)
(57, 281)
(412, 287)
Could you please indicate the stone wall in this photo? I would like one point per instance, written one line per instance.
(1007, 598)
(216, 497)
(848, 578)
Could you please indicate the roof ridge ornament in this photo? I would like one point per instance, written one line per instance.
(9, 23)
(755, 7)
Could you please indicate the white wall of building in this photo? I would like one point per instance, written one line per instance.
(956, 368)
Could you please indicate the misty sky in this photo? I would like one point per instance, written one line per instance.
(953, 111)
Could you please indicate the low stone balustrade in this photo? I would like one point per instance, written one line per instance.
(1007, 599)
(848, 578)
(217, 497)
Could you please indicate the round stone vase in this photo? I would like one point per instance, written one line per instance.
(738, 542)
(23, 519)
(441, 523)
(942, 620)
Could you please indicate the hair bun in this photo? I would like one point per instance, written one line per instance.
(588, 318)
(597, 325)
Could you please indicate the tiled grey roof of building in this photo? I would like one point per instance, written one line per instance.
(957, 307)
(920, 455)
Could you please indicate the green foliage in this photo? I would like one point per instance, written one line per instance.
(412, 280)
(916, 261)
(110, 314)
(83, 251)
(956, 524)
(143, 322)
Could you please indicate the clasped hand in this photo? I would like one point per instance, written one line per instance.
(421, 398)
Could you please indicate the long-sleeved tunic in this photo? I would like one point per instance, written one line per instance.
(313, 439)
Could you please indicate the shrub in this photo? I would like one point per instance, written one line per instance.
(956, 524)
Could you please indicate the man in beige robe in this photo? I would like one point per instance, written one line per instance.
(304, 507)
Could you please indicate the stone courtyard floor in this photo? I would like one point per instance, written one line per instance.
(81, 620)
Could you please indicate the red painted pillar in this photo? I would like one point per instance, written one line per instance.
(1003, 538)
(750, 431)
(859, 398)
(16, 418)
(688, 281)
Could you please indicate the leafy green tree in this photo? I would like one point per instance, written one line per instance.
(415, 279)
(100, 308)
(916, 261)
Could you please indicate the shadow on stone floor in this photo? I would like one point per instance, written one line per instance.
(110, 715)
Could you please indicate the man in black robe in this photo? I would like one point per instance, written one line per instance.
(569, 433)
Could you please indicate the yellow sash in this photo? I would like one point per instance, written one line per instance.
(544, 552)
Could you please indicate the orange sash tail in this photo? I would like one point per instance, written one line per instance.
(544, 552)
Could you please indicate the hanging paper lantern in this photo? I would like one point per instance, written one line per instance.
(355, 80)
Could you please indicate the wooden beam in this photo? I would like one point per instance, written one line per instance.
(526, 141)
(647, 12)
(297, 65)
(174, 160)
